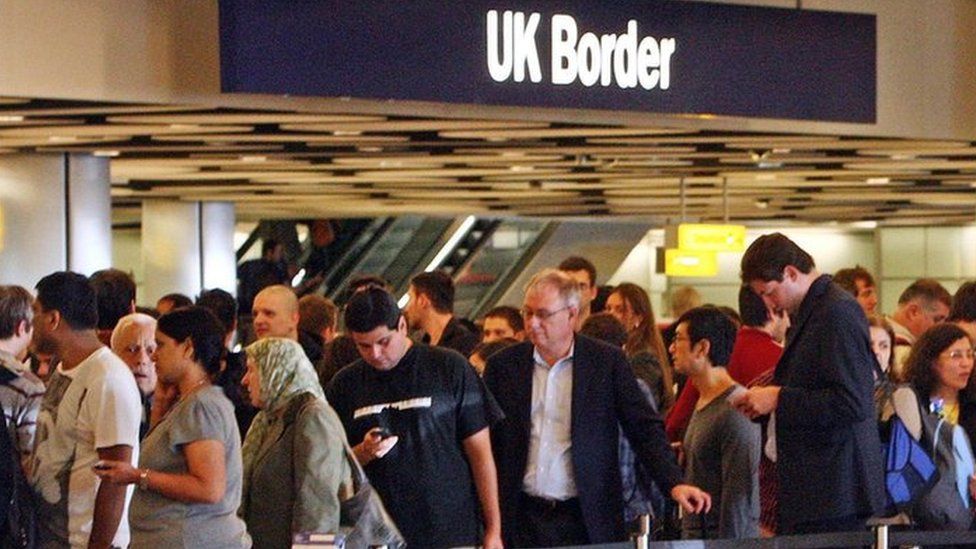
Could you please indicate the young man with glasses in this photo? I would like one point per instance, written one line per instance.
(825, 435)
(565, 398)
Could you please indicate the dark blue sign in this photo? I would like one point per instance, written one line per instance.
(649, 56)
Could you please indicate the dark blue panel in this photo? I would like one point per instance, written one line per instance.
(729, 60)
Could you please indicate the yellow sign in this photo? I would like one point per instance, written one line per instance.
(690, 263)
(711, 238)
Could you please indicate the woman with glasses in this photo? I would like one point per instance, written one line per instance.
(295, 469)
(630, 304)
(939, 368)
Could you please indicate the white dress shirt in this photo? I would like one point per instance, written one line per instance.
(549, 470)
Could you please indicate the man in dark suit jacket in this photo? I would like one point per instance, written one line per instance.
(564, 396)
(828, 454)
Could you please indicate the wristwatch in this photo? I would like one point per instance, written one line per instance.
(144, 479)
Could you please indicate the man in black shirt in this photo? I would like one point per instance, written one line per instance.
(419, 415)
(431, 309)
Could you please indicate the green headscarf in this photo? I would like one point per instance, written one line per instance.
(284, 372)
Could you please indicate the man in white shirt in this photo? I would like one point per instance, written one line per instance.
(90, 412)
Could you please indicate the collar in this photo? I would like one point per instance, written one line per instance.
(10, 362)
(541, 361)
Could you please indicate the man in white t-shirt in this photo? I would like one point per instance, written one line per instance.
(90, 412)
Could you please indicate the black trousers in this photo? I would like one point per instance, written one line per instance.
(550, 523)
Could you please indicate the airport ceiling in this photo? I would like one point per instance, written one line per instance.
(304, 165)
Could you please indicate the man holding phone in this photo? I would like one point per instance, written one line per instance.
(418, 414)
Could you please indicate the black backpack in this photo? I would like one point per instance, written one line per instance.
(19, 527)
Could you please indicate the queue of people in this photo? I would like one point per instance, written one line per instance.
(558, 425)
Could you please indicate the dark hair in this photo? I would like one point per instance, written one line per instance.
(268, 245)
(577, 263)
(362, 281)
(70, 294)
(438, 287)
(964, 303)
(606, 328)
(316, 313)
(711, 323)
(151, 311)
(752, 309)
(599, 303)
(201, 327)
(371, 308)
(732, 314)
(15, 308)
(336, 355)
(919, 367)
(177, 299)
(646, 337)
(222, 305)
(928, 290)
(485, 350)
(115, 292)
(769, 255)
(878, 321)
(510, 314)
(847, 278)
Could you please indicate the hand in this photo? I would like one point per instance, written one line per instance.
(691, 498)
(493, 540)
(374, 446)
(116, 472)
(758, 401)
(972, 487)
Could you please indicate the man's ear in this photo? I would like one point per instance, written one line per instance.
(790, 272)
(23, 328)
(703, 347)
(132, 306)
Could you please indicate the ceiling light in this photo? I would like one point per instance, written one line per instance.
(11, 118)
(346, 133)
(105, 153)
(871, 224)
(761, 203)
(185, 126)
(371, 149)
(878, 180)
(254, 158)
(903, 157)
(62, 138)
(782, 151)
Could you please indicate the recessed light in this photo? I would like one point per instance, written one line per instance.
(11, 118)
(878, 180)
(254, 158)
(105, 153)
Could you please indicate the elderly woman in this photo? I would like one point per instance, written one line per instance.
(295, 467)
(189, 473)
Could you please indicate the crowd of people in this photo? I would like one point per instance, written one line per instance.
(558, 422)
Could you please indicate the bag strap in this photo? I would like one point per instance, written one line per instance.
(359, 478)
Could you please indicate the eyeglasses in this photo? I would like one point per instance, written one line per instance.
(959, 354)
(542, 314)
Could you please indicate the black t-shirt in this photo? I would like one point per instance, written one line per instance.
(457, 337)
(432, 400)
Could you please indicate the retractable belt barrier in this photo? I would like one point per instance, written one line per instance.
(879, 537)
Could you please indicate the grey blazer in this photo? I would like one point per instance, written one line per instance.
(299, 476)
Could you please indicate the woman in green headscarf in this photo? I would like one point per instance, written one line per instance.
(295, 469)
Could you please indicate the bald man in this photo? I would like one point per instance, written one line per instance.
(275, 313)
(134, 341)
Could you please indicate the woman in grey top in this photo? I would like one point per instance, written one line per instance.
(295, 467)
(189, 473)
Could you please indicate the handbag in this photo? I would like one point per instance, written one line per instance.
(363, 517)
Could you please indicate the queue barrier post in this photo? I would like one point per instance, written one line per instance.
(642, 539)
(881, 536)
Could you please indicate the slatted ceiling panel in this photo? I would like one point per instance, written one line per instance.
(401, 126)
(13, 101)
(98, 110)
(280, 164)
(556, 133)
(116, 130)
(245, 118)
(903, 153)
(282, 138)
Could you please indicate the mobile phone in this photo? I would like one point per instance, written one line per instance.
(383, 432)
